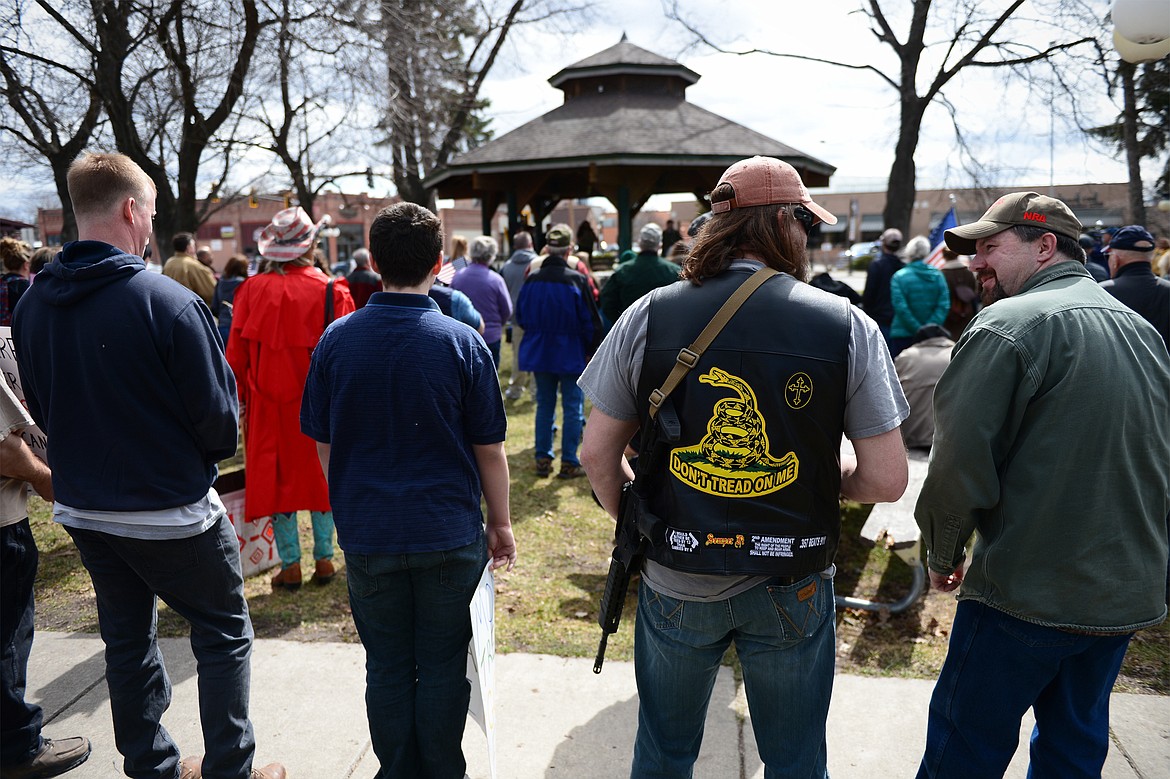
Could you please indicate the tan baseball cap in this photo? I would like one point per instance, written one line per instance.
(766, 181)
(1018, 208)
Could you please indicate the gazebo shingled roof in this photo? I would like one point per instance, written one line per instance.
(624, 132)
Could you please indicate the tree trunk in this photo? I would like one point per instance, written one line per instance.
(1133, 160)
(901, 189)
(68, 219)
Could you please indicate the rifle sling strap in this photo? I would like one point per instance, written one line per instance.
(689, 357)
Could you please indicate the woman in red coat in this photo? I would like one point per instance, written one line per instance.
(278, 317)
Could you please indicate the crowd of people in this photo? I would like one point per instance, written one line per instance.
(373, 402)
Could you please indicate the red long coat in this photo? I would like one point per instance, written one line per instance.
(276, 321)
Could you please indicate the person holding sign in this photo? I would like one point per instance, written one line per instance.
(23, 751)
(405, 484)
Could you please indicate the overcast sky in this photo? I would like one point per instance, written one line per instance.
(848, 118)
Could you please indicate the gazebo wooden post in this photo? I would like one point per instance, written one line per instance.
(625, 219)
(513, 219)
(486, 211)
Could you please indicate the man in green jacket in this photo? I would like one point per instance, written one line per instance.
(1069, 507)
(634, 279)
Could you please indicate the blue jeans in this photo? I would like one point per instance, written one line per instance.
(997, 667)
(411, 612)
(199, 578)
(20, 722)
(784, 636)
(572, 411)
(494, 348)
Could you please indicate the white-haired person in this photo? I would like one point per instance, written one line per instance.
(488, 292)
(278, 317)
(919, 294)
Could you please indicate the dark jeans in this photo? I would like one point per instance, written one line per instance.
(199, 578)
(494, 348)
(412, 613)
(20, 722)
(998, 667)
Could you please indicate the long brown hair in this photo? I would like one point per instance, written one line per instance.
(769, 232)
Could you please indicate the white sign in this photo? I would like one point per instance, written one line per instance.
(481, 661)
(32, 435)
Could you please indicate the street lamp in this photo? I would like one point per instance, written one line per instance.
(1141, 30)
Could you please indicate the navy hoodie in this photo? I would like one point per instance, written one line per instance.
(124, 371)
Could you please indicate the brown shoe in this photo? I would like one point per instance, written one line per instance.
(543, 466)
(53, 759)
(289, 578)
(570, 471)
(191, 768)
(324, 572)
(270, 771)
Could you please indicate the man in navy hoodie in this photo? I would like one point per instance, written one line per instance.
(132, 480)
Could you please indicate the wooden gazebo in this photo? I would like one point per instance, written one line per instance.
(625, 132)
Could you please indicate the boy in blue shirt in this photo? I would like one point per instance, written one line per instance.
(406, 408)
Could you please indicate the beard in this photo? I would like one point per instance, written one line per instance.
(989, 296)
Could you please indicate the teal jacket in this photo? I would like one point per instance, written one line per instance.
(920, 296)
(1068, 500)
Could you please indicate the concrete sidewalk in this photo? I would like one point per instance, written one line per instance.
(554, 717)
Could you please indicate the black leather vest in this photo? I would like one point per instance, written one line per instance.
(752, 485)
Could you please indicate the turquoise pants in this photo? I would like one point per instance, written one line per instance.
(288, 541)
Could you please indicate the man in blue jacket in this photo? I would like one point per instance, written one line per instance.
(562, 327)
(132, 480)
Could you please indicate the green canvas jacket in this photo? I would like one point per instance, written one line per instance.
(1067, 498)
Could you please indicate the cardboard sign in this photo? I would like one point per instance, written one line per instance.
(481, 661)
(32, 435)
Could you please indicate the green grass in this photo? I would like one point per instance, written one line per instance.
(549, 602)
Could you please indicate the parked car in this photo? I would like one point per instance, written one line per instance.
(859, 255)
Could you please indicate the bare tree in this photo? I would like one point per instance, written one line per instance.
(168, 74)
(973, 37)
(437, 55)
(304, 98)
(52, 109)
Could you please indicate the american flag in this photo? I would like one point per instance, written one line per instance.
(936, 238)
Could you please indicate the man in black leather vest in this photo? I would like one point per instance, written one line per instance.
(741, 511)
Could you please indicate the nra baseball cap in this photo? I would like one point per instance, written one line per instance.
(1135, 238)
(1018, 208)
(765, 181)
(559, 236)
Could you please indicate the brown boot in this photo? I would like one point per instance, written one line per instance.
(191, 768)
(289, 578)
(270, 771)
(324, 572)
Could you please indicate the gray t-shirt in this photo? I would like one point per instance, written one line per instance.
(874, 404)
